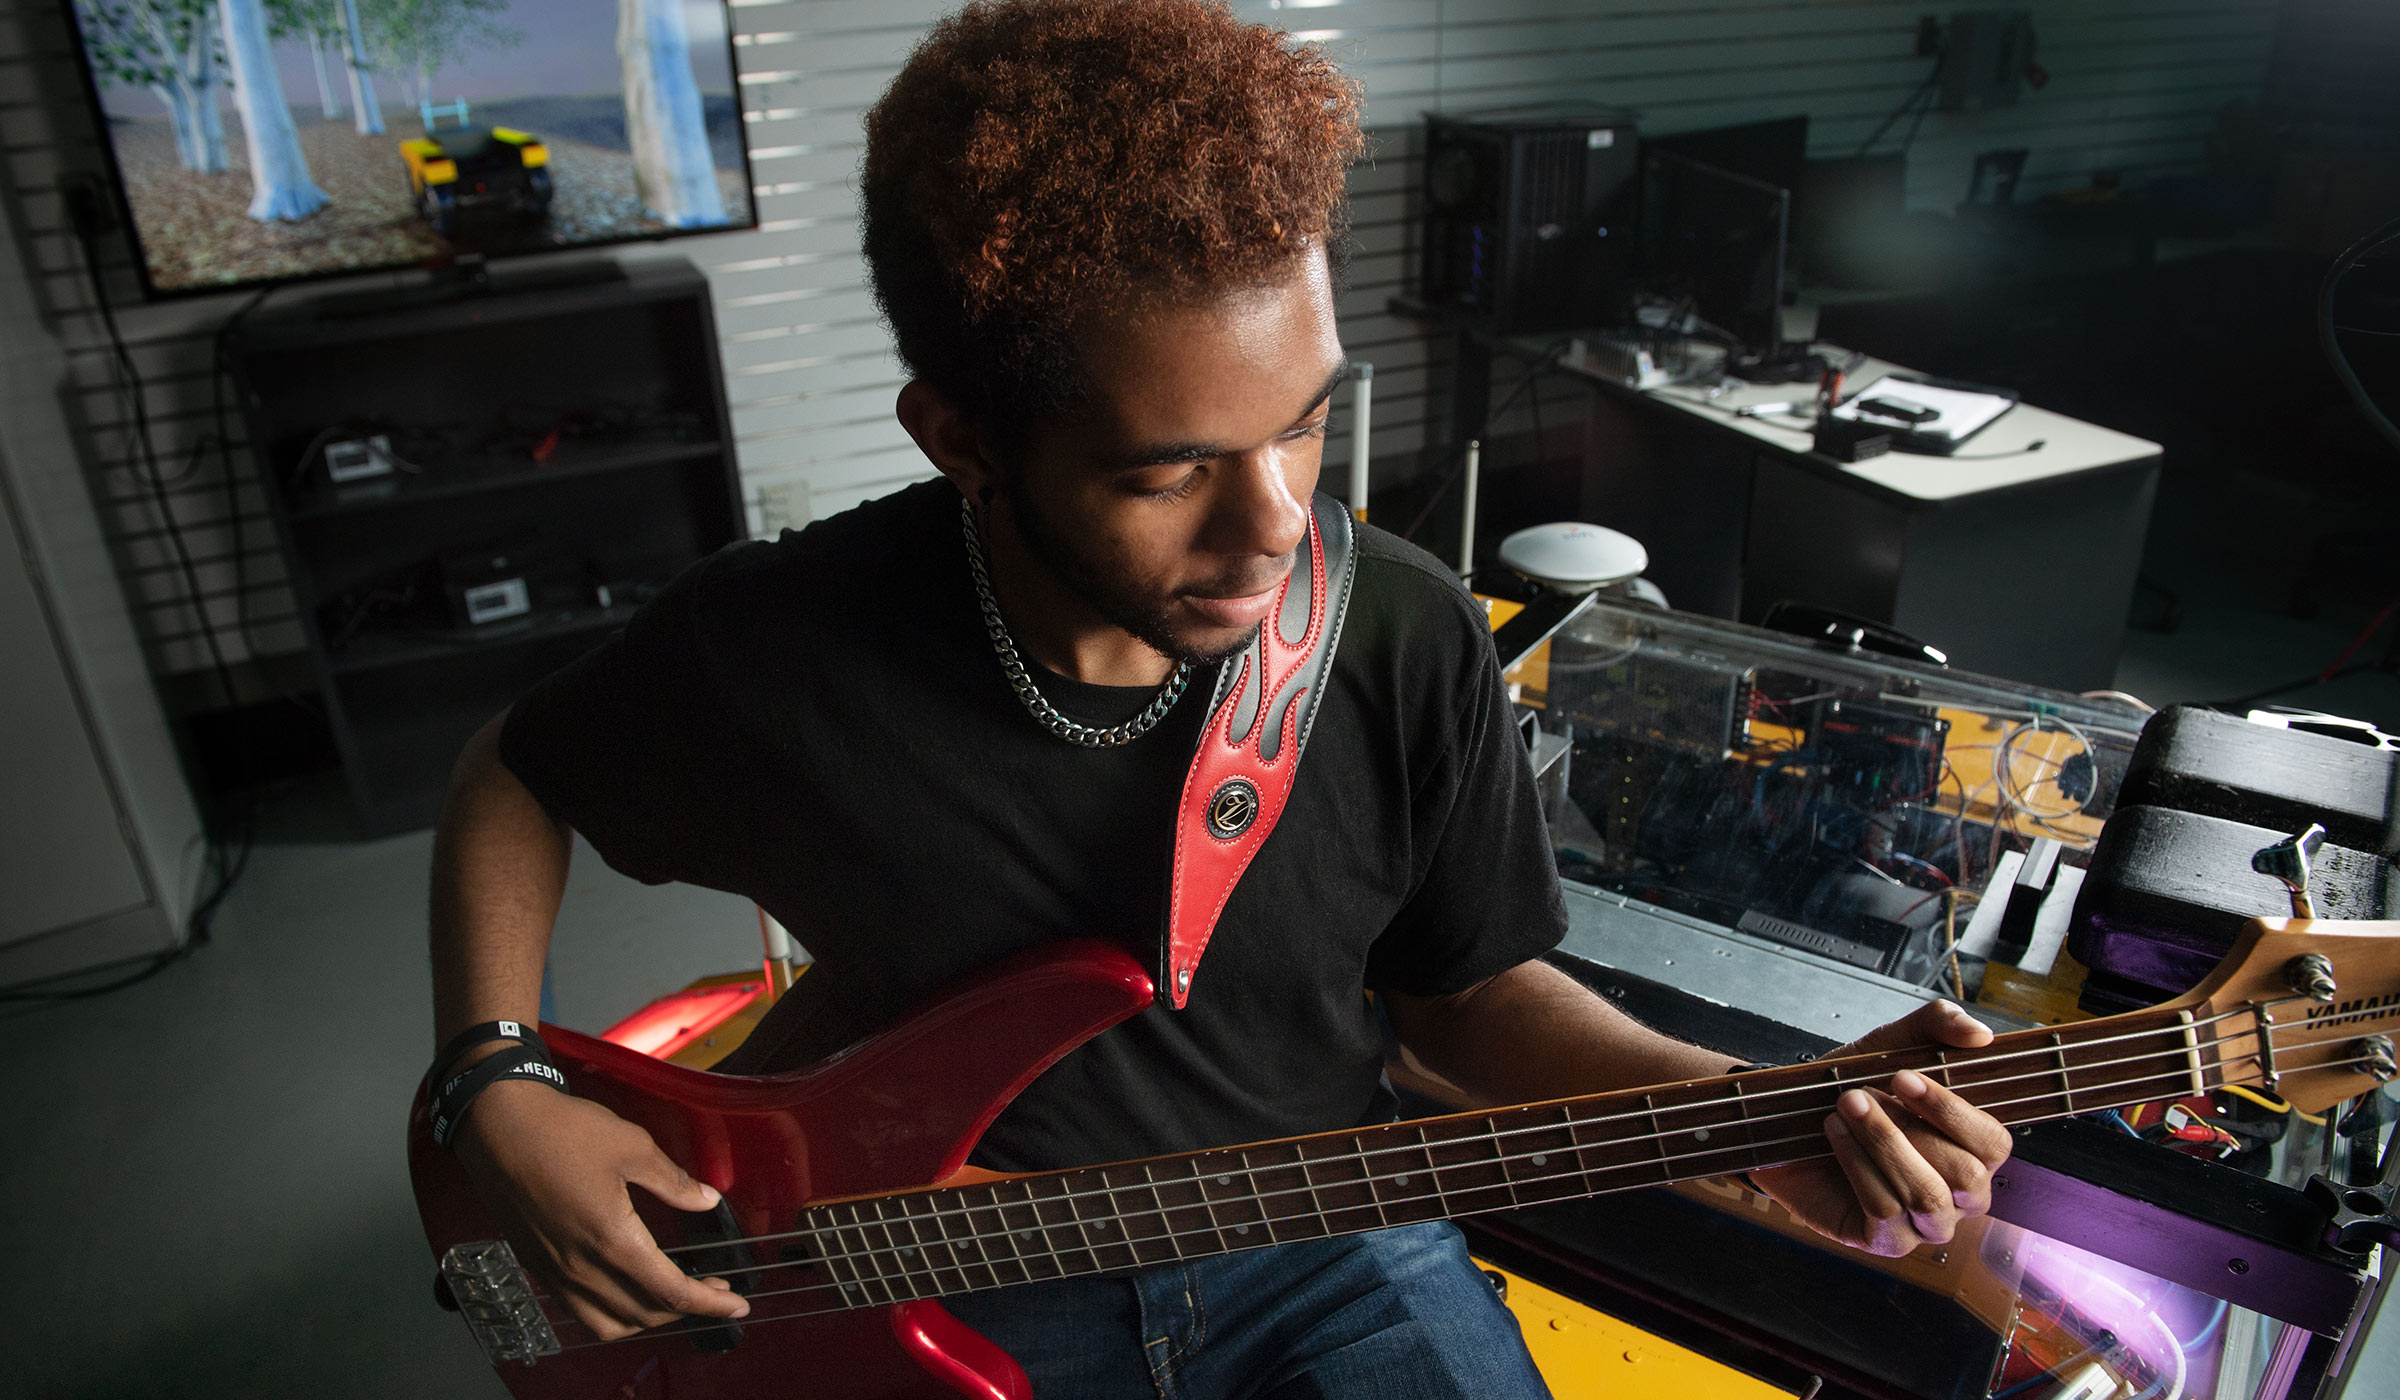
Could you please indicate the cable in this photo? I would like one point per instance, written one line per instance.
(230, 842)
(2372, 627)
(2364, 668)
(1548, 361)
(2028, 449)
(2332, 345)
(1914, 97)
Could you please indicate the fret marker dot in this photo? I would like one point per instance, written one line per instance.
(1540, 1160)
(1700, 1134)
(1401, 1180)
(1024, 1234)
(1241, 1229)
(908, 1249)
(1099, 1224)
(1224, 1181)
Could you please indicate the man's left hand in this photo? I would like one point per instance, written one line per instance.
(1910, 1160)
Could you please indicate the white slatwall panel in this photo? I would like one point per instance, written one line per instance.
(2134, 86)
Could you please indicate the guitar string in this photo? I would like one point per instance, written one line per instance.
(2181, 1054)
(1864, 1079)
(896, 1253)
(1059, 1257)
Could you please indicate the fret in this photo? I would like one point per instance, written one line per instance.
(943, 1252)
(1371, 1177)
(1280, 1209)
(1741, 1104)
(1115, 1223)
(1072, 1200)
(1308, 1183)
(1500, 1158)
(2066, 1078)
(1559, 1181)
(907, 1265)
(1658, 1139)
(1433, 1177)
(1046, 1205)
(1034, 1235)
(865, 1251)
(834, 1259)
(900, 1262)
(1258, 1204)
(981, 1238)
(919, 1255)
(1166, 1223)
(1215, 1226)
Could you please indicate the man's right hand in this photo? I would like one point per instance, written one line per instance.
(554, 1170)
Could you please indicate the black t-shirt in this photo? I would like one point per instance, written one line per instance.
(819, 724)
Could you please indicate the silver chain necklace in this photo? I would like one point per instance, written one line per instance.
(1028, 694)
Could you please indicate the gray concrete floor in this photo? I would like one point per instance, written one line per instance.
(206, 1191)
(205, 1184)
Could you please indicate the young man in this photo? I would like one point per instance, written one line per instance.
(953, 724)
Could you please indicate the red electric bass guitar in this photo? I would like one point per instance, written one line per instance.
(848, 1209)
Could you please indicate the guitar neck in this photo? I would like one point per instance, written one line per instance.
(1101, 1219)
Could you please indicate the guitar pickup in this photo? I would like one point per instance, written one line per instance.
(492, 1292)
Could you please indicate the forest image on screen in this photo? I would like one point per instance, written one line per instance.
(260, 140)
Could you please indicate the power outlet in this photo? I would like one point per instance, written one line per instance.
(782, 505)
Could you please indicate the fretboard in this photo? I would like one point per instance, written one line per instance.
(1103, 1219)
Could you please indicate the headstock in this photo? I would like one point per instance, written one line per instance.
(2309, 1008)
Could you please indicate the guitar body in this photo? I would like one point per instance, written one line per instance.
(899, 1111)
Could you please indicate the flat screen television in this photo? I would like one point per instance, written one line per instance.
(264, 141)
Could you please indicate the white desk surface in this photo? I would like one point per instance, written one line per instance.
(1991, 460)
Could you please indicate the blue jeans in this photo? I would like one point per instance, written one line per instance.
(1399, 1314)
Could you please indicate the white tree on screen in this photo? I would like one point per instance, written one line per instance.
(280, 187)
(664, 122)
(169, 47)
(421, 37)
(320, 23)
(362, 78)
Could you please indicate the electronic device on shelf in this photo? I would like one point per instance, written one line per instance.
(1529, 217)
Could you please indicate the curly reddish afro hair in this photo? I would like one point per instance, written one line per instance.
(1041, 160)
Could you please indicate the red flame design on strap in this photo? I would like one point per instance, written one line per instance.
(1252, 741)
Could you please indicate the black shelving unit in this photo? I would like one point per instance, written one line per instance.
(571, 419)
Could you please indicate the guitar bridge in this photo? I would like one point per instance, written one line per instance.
(496, 1298)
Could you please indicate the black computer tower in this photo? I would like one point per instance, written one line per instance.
(1530, 217)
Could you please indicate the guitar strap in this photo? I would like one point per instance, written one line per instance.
(1258, 723)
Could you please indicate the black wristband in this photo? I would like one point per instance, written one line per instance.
(452, 1096)
(472, 1036)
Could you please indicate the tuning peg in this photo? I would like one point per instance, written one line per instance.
(2375, 1051)
(2288, 860)
(2311, 975)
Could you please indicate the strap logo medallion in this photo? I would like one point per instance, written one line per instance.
(1231, 810)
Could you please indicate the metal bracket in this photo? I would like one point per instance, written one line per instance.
(496, 1298)
(2357, 1218)
(2288, 860)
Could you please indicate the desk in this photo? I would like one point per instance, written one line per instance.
(2019, 564)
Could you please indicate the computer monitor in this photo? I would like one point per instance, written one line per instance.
(1773, 151)
(1715, 242)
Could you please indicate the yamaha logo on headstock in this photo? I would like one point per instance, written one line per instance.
(2356, 1009)
(1232, 808)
